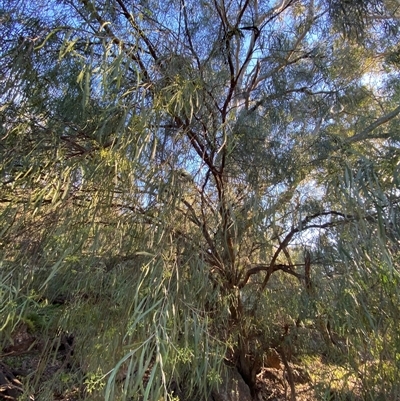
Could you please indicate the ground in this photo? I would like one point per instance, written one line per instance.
(24, 365)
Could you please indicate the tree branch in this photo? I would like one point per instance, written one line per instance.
(267, 267)
(103, 24)
(380, 121)
(146, 40)
(303, 226)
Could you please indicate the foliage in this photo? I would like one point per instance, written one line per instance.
(200, 182)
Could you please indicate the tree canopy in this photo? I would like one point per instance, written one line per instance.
(211, 175)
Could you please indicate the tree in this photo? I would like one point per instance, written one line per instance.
(214, 144)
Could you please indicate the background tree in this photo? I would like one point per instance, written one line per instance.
(167, 161)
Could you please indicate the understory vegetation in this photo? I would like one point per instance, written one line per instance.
(191, 188)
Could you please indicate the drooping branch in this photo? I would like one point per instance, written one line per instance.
(188, 35)
(104, 25)
(146, 40)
